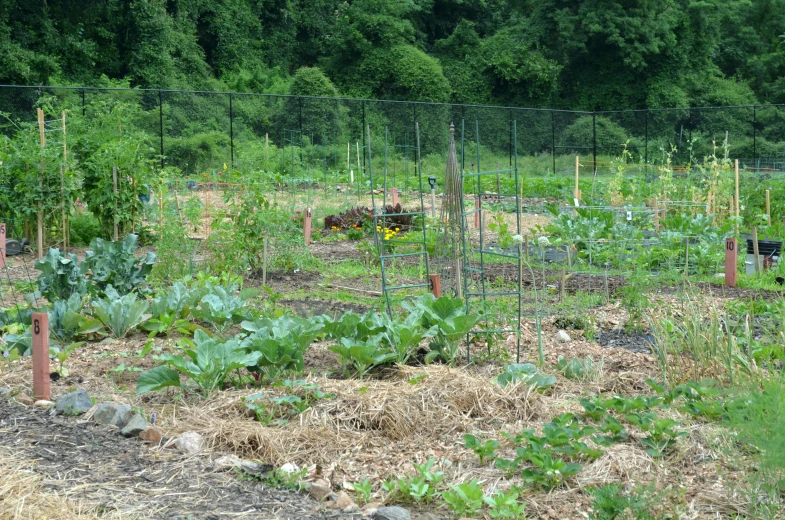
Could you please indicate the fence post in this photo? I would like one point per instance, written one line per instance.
(477, 206)
(231, 130)
(594, 138)
(83, 104)
(161, 123)
(731, 261)
(646, 141)
(754, 134)
(41, 355)
(553, 141)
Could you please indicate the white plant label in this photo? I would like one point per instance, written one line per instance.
(577, 202)
(629, 216)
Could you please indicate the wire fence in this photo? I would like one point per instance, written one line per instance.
(200, 131)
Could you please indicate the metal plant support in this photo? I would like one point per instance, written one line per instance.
(476, 245)
(386, 247)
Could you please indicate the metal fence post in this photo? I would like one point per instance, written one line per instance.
(553, 140)
(231, 130)
(161, 123)
(646, 139)
(594, 139)
(755, 134)
(83, 102)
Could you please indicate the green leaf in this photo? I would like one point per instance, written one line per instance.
(156, 379)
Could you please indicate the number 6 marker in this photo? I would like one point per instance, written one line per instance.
(41, 355)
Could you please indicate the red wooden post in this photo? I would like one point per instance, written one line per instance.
(731, 261)
(477, 206)
(307, 226)
(2, 244)
(41, 355)
(436, 285)
(395, 196)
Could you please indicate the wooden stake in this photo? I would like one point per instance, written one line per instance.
(731, 261)
(307, 226)
(477, 207)
(562, 283)
(686, 257)
(577, 192)
(133, 208)
(264, 261)
(267, 151)
(114, 184)
(737, 188)
(395, 197)
(41, 356)
(62, 185)
(359, 167)
(755, 251)
(40, 237)
(2, 244)
(348, 156)
(768, 208)
(436, 285)
(433, 202)
(526, 243)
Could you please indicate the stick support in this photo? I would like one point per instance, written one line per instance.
(307, 226)
(2, 244)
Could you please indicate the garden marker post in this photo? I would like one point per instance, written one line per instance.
(395, 197)
(2, 244)
(731, 261)
(40, 355)
(307, 226)
(435, 284)
(755, 250)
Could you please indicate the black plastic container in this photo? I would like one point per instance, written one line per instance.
(766, 248)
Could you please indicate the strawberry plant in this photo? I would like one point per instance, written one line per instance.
(465, 499)
(482, 449)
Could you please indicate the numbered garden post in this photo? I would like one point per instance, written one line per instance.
(307, 226)
(477, 206)
(2, 244)
(436, 285)
(41, 355)
(395, 197)
(731, 261)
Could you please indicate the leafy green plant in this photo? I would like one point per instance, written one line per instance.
(66, 320)
(220, 308)
(526, 374)
(120, 314)
(207, 363)
(281, 343)
(482, 449)
(465, 499)
(362, 355)
(612, 432)
(584, 369)
(610, 502)
(62, 275)
(548, 471)
(62, 355)
(505, 504)
(364, 490)
(115, 264)
(451, 321)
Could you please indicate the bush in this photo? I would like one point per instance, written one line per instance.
(84, 228)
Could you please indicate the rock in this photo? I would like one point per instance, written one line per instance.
(370, 508)
(43, 403)
(233, 461)
(24, 399)
(112, 413)
(189, 442)
(135, 426)
(351, 508)
(289, 468)
(392, 513)
(5, 392)
(320, 490)
(563, 337)
(152, 435)
(341, 501)
(74, 403)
